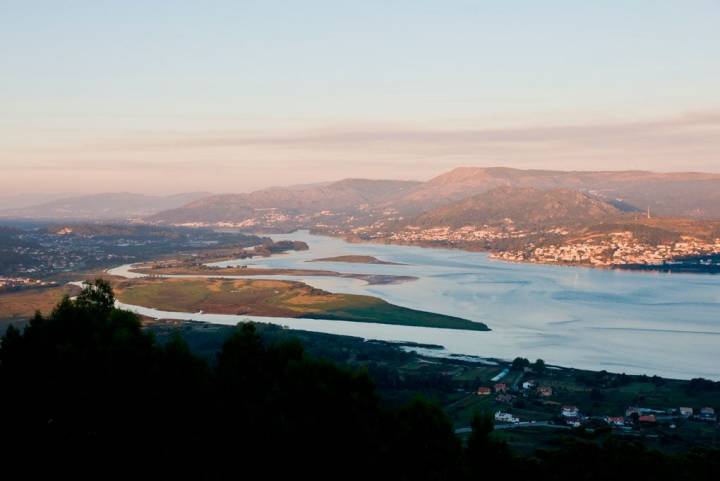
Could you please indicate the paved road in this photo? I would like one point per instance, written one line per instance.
(539, 424)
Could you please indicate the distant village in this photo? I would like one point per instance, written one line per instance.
(22, 282)
(634, 417)
(617, 248)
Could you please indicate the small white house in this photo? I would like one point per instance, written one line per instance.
(505, 418)
(686, 412)
(570, 411)
(528, 384)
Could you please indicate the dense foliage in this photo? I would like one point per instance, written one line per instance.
(87, 392)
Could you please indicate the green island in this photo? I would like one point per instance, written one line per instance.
(351, 259)
(276, 298)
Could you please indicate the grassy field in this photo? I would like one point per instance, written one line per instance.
(18, 307)
(275, 298)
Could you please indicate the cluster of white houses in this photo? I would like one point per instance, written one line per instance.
(468, 233)
(615, 248)
(10, 282)
(618, 248)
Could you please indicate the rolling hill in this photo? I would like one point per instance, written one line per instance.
(347, 195)
(685, 194)
(523, 207)
(692, 195)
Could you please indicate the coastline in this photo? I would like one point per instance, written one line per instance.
(492, 255)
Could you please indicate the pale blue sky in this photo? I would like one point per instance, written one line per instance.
(228, 95)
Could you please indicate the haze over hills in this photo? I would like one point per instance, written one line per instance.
(575, 194)
(20, 201)
(344, 195)
(108, 206)
(695, 195)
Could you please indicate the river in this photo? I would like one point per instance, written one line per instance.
(639, 323)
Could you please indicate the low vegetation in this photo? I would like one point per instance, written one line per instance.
(354, 260)
(276, 298)
(21, 305)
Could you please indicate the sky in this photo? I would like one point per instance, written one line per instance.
(230, 96)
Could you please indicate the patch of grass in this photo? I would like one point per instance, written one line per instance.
(379, 311)
(19, 306)
(275, 298)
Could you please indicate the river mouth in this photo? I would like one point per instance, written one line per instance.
(638, 323)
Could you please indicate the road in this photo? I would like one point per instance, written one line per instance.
(539, 424)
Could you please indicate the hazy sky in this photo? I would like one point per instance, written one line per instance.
(169, 96)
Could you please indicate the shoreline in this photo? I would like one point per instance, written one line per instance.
(423, 350)
(630, 268)
(319, 304)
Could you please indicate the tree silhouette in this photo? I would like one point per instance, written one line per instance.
(86, 392)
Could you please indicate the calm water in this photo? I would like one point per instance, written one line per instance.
(597, 319)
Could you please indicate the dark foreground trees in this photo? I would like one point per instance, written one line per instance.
(86, 392)
(86, 386)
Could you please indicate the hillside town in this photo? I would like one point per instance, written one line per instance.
(555, 245)
(11, 283)
(467, 233)
(617, 248)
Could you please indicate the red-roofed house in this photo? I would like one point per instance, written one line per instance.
(545, 391)
(615, 420)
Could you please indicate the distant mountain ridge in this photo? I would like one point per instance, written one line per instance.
(348, 201)
(343, 195)
(673, 194)
(108, 206)
(685, 194)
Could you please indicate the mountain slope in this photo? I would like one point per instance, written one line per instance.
(345, 195)
(523, 207)
(689, 194)
(674, 194)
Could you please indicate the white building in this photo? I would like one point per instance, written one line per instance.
(570, 411)
(506, 418)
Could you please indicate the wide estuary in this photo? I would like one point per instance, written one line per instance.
(620, 321)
